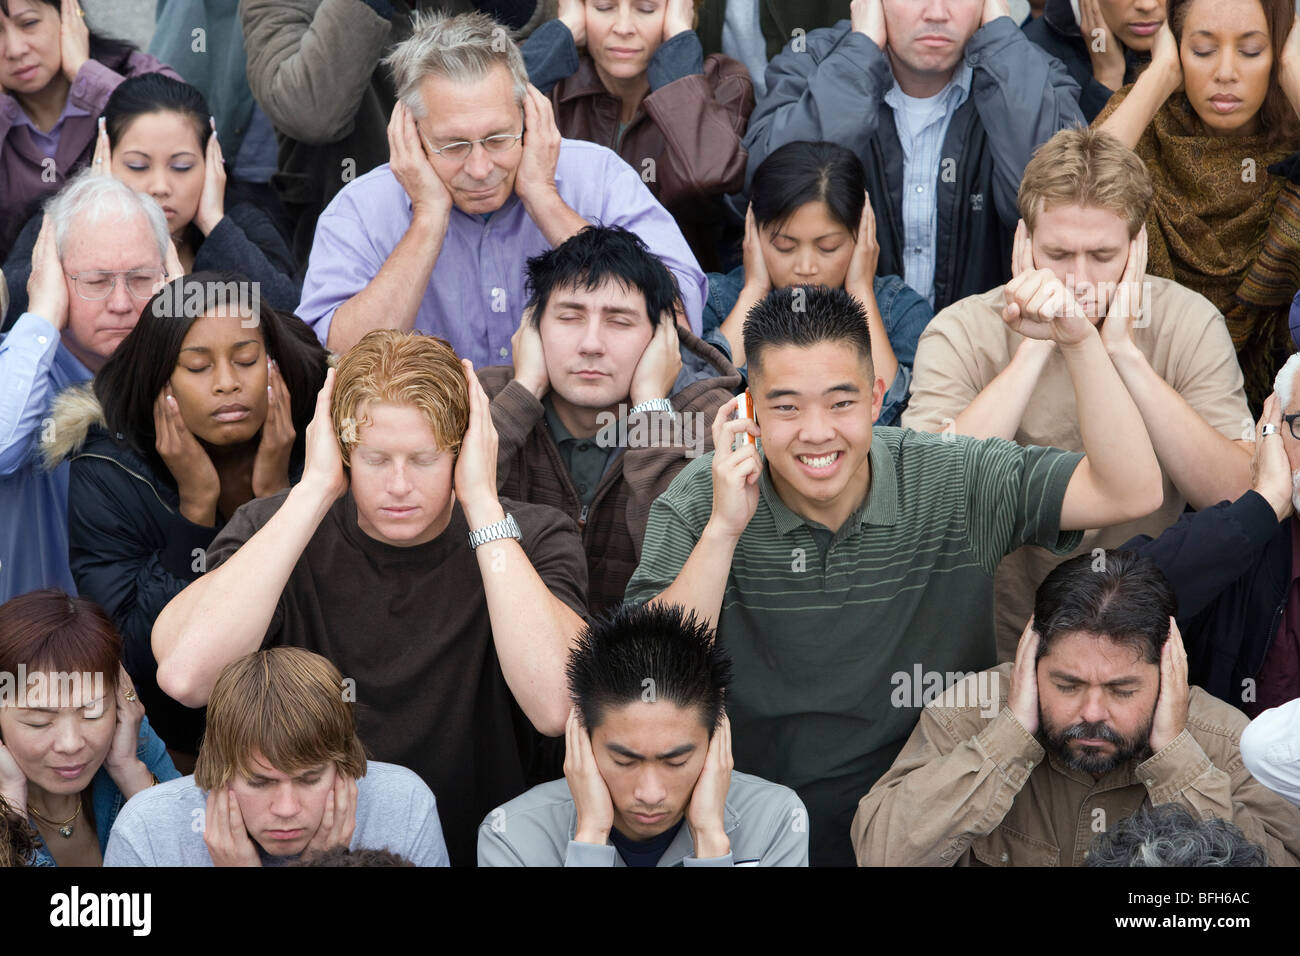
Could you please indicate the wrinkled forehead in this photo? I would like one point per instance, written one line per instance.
(1096, 658)
(110, 240)
(470, 108)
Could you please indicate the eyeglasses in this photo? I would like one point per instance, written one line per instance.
(1290, 423)
(460, 150)
(93, 286)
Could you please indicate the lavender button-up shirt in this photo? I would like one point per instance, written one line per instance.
(476, 297)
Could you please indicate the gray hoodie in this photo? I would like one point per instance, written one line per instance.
(766, 823)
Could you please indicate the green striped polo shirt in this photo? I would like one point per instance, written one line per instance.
(832, 647)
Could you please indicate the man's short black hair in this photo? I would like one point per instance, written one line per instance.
(648, 652)
(1117, 594)
(592, 257)
(1171, 835)
(806, 315)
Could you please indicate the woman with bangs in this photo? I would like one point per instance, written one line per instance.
(69, 762)
(1214, 117)
(202, 408)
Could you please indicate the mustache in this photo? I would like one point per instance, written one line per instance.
(1092, 731)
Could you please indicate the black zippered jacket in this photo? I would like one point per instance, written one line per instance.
(1230, 567)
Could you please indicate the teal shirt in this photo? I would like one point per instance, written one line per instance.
(819, 639)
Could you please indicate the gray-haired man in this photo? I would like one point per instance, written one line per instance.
(479, 179)
(100, 253)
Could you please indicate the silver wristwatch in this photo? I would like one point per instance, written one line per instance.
(652, 405)
(507, 527)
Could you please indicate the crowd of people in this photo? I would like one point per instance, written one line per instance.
(651, 433)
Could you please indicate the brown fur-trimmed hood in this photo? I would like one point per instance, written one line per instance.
(74, 412)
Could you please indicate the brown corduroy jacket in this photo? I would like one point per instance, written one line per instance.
(651, 449)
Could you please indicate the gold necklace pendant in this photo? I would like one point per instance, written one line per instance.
(64, 828)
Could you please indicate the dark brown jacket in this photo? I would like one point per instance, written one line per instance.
(650, 453)
(685, 137)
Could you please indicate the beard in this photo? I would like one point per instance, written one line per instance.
(1091, 759)
(1295, 490)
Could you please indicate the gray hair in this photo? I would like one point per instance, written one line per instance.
(1284, 384)
(462, 47)
(95, 198)
(1171, 835)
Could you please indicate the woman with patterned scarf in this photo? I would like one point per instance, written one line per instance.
(1214, 117)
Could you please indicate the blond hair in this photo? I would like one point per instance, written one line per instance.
(401, 368)
(1086, 167)
(286, 704)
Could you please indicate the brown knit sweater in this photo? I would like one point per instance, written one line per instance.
(530, 468)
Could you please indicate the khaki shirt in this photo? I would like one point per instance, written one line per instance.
(973, 787)
(967, 345)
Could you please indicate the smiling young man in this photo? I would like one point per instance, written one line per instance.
(479, 179)
(450, 610)
(648, 768)
(281, 775)
(608, 398)
(1084, 199)
(1098, 688)
(844, 558)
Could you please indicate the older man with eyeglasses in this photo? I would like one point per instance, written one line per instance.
(478, 180)
(100, 254)
(1235, 569)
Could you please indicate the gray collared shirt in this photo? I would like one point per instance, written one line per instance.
(584, 457)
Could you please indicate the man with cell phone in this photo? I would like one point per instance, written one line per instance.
(838, 559)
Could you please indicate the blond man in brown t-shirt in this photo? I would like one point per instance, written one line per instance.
(1081, 245)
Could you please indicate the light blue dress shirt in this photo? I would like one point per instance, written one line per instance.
(922, 143)
(34, 367)
(475, 297)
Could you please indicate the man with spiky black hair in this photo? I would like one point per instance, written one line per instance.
(608, 398)
(648, 778)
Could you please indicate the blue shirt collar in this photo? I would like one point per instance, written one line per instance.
(953, 95)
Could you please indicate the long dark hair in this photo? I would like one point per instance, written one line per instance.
(131, 379)
(105, 49)
(1277, 117)
(799, 173)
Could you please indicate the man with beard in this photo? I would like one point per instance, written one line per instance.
(1024, 764)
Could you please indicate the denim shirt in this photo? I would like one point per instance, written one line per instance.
(34, 367)
(106, 800)
(903, 311)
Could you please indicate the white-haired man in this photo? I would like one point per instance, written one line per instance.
(1235, 570)
(100, 253)
(479, 179)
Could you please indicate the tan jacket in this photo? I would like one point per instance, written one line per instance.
(970, 789)
(967, 345)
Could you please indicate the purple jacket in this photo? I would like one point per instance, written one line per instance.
(22, 162)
